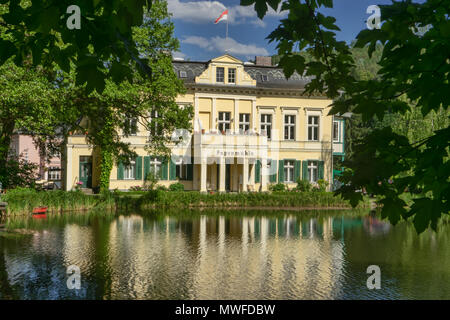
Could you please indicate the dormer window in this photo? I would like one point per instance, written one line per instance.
(264, 78)
(182, 74)
(220, 74)
(231, 75)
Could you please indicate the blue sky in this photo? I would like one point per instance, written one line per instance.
(201, 39)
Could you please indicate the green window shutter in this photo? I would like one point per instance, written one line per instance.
(281, 171)
(298, 164)
(320, 168)
(190, 170)
(273, 169)
(120, 171)
(258, 171)
(164, 167)
(305, 170)
(172, 169)
(146, 166)
(138, 168)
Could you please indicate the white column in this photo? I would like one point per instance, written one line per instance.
(252, 173)
(222, 175)
(69, 168)
(203, 175)
(245, 175)
(264, 174)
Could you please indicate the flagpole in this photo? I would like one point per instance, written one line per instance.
(226, 34)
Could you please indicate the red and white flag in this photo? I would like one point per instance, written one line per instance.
(223, 16)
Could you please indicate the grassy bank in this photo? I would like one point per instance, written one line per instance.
(181, 199)
(22, 201)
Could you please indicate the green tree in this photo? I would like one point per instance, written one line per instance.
(38, 99)
(413, 71)
(141, 98)
(38, 28)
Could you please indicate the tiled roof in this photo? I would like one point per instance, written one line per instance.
(266, 77)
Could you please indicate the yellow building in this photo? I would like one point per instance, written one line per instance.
(252, 128)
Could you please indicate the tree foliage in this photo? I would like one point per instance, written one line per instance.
(38, 28)
(413, 75)
(39, 95)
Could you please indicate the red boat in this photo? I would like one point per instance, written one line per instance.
(40, 211)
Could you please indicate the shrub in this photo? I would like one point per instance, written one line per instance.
(136, 188)
(176, 187)
(322, 185)
(161, 188)
(151, 180)
(303, 185)
(277, 187)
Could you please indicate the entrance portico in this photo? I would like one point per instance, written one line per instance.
(228, 162)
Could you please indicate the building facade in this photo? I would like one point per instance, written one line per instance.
(48, 172)
(252, 127)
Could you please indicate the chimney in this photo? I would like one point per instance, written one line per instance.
(263, 61)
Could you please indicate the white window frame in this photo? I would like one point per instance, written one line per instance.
(233, 77)
(182, 169)
(263, 125)
(130, 125)
(289, 167)
(315, 125)
(290, 124)
(153, 126)
(338, 137)
(154, 164)
(224, 122)
(217, 74)
(54, 174)
(244, 123)
(313, 166)
(129, 172)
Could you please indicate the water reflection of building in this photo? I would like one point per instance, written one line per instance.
(270, 252)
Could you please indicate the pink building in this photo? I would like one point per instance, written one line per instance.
(48, 173)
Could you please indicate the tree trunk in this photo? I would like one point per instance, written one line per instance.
(5, 142)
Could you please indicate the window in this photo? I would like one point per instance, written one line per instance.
(244, 122)
(130, 171)
(264, 78)
(220, 74)
(266, 125)
(231, 75)
(313, 171)
(183, 74)
(154, 128)
(130, 127)
(224, 121)
(289, 127)
(181, 170)
(155, 166)
(336, 135)
(313, 128)
(289, 171)
(54, 174)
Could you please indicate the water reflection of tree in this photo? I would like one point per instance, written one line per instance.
(6, 291)
(415, 266)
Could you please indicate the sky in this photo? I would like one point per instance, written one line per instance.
(201, 39)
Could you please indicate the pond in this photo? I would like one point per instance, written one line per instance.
(222, 255)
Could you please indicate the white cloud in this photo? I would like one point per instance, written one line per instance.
(178, 55)
(209, 11)
(226, 45)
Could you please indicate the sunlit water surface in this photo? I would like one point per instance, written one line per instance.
(225, 255)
